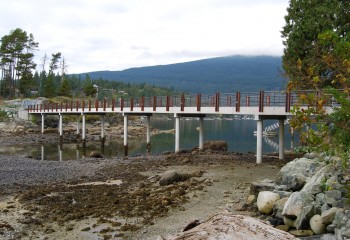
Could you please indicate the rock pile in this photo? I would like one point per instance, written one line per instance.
(309, 197)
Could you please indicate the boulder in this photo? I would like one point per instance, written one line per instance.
(295, 173)
(217, 146)
(316, 224)
(314, 184)
(264, 185)
(231, 226)
(95, 154)
(294, 207)
(170, 177)
(303, 219)
(266, 200)
(328, 215)
(278, 208)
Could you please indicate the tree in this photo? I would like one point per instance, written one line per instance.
(65, 89)
(17, 53)
(317, 57)
(303, 57)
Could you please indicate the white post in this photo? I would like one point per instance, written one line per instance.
(60, 125)
(177, 134)
(125, 135)
(60, 152)
(78, 125)
(42, 123)
(83, 130)
(42, 152)
(281, 139)
(259, 138)
(148, 126)
(201, 134)
(102, 127)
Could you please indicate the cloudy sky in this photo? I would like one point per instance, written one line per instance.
(118, 34)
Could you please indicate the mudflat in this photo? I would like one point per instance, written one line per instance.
(121, 198)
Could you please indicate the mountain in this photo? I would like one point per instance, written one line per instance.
(222, 74)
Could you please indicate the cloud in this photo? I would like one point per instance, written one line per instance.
(98, 35)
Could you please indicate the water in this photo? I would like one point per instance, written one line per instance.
(237, 133)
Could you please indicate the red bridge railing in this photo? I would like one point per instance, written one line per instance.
(238, 100)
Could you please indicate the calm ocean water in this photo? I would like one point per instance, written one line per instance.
(239, 134)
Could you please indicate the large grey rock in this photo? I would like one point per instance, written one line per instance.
(314, 184)
(296, 207)
(316, 224)
(294, 173)
(328, 216)
(170, 177)
(266, 200)
(333, 196)
(230, 226)
(278, 208)
(264, 185)
(303, 219)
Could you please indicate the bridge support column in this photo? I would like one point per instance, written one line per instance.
(125, 135)
(42, 123)
(78, 125)
(259, 138)
(60, 127)
(177, 134)
(148, 126)
(281, 139)
(201, 134)
(83, 129)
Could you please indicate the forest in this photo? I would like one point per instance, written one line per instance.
(22, 77)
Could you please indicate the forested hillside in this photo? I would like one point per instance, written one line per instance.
(223, 74)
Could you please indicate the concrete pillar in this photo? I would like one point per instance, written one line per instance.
(61, 127)
(201, 133)
(177, 134)
(148, 126)
(259, 139)
(125, 135)
(78, 125)
(60, 152)
(42, 123)
(42, 152)
(281, 139)
(83, 129)
(102, 127)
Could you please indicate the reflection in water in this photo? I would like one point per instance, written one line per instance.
(237, 133)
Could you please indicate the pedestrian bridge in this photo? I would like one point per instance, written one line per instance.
(262, 105)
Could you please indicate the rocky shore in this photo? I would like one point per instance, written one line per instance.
(170, 196)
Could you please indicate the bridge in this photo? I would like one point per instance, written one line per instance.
(262, 105)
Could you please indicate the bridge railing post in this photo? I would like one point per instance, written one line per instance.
(182, 103)
(89, 105)
(261, 101)
(131, 104)
(113, 104)
(199, 102)
(104, 104)
(238, 101)
(122, 104)
(167, 104)
(217, 102)
(288, 101)
(143, 103)
(154, 103)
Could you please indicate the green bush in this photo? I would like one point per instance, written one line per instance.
(3, 116)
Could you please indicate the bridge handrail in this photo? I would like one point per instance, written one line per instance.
(260, 99)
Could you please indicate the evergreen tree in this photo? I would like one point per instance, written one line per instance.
(16, 54)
